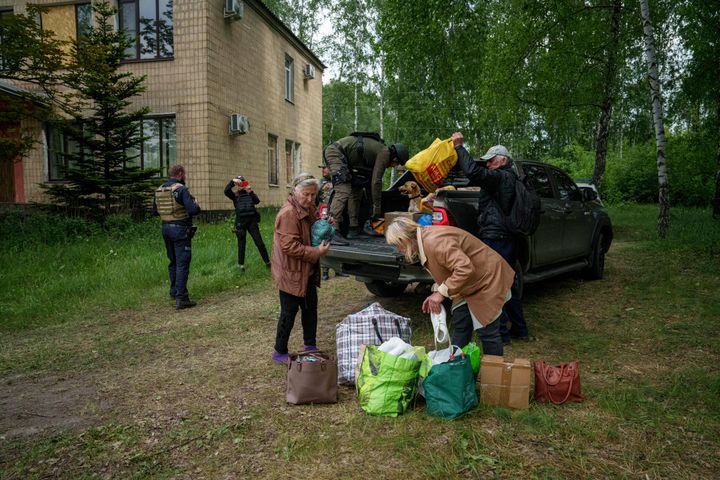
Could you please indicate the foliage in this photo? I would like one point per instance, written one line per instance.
(632, 174)
(31, 58)
(102, 174)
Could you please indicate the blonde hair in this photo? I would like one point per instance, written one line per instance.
(402, 230)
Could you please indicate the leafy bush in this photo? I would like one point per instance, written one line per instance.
(632, 177)
(575, 160)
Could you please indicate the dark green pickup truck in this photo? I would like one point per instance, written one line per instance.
(574, 233)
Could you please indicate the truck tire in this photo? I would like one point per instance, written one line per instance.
(596, 269)
(386, 289)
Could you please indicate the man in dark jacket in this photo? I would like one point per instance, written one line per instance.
(356, 162)
(494, 174)
(247, 218)
(176, 207)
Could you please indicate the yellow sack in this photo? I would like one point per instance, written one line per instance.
(432, 165)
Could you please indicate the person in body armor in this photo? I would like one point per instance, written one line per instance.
(176, 207)
(247, 218)
(494, 174)
(356, 162)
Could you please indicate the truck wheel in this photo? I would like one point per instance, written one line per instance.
(386, 289)
(596, 269)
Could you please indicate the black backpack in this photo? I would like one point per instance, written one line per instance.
(373, 135)
(360, 146)
(524, 216)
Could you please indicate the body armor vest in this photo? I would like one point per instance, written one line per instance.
(169, 209)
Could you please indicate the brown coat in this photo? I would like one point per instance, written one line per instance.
(464, 267)
(294, 260)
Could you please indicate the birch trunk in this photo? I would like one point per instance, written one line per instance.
(663, 195)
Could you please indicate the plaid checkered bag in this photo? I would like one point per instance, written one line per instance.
(370, 326)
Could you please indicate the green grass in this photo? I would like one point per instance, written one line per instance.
(192, 394)
(53, 279)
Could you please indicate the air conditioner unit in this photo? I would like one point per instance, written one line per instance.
(239, 124)
(309, 71)
(234, 10)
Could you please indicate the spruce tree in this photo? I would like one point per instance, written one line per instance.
(102, 176)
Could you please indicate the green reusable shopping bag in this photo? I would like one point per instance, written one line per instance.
(450, 388)
(473, 353)
(386, 384)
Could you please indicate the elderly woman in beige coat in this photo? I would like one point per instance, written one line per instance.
(295, 265)
(466, 270)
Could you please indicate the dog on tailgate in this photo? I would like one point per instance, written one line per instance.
(412, 191)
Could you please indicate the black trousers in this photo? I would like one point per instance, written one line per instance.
(249, 225)
(178, 246)
(289, 306)
(513, 309)
(489, 335)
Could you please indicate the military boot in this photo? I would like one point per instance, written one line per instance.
(339, 240)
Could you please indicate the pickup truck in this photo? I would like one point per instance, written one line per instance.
(574, 233)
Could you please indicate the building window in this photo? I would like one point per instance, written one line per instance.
(60, 148)
(158, 147)
(293, 164)
(83, 20)
(289, 79)
(4, 13)
(273, 161)
(149, 24)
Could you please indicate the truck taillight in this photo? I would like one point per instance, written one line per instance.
(440, 217)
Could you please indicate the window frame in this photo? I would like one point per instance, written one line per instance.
(137, 56)
(293, 160)
(77, 24)
(53, 152)
(164, 165)
(273, 160)
(289, 76)
(532, 177)
(560, 177)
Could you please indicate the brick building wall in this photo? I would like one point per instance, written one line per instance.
(219, 68)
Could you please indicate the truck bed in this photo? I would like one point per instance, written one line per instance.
(371, 258)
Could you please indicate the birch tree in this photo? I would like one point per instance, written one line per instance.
(655, 94)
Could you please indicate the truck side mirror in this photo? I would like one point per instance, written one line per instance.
(588, 194)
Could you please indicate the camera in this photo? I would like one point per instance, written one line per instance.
(241, 182)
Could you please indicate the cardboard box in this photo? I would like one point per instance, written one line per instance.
(391, 216)
(504, 383)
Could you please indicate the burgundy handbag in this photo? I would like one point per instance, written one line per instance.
(557, 384)
(312, 378)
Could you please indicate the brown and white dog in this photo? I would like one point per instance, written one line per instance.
(412, 191)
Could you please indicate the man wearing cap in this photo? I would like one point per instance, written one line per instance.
(493, 172)
(247, 218)
(356, 162)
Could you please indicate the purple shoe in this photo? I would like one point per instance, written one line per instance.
(281, 358)
(310, 348)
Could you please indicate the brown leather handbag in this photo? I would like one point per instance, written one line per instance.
(312, 378)
(557, 384)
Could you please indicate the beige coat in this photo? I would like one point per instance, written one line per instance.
(294, 260)
(465, 268)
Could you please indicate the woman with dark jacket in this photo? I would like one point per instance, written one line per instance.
(296, 265)
(247, 218)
